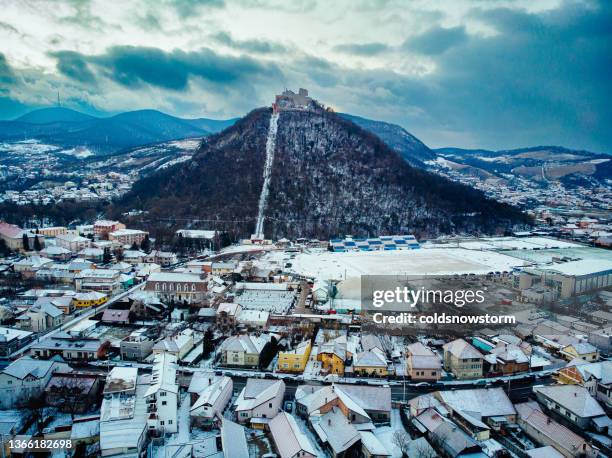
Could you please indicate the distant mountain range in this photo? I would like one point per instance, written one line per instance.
(102, 135)
(538, 164)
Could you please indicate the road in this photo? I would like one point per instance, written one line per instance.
(517, 392)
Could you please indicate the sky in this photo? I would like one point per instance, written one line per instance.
(489, 74)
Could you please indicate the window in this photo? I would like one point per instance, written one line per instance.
(169, 422)
(161, 422)
(163, 393)
(164, 403)
(269, 405)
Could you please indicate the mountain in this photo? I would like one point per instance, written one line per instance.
(53, 115)
(539, 164)
(211, 125)
(407, 145)
(68, 129)
(328, 177)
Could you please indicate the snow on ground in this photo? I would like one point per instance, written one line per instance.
(385, 434)
(434, 261)
(312, 436)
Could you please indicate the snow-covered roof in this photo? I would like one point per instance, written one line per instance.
(211, 394)
(335, 429)
(246, 343)
(371, 358)
(288, 437)
(581, 268)
(488, 402)
(27, 366)
(461, 349)
(574, 398)
(531, 413)
(175, 277)
(258, 391)
(373, 444)
(233, 440)
(163, 374)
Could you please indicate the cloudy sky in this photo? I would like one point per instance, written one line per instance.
(480, 74)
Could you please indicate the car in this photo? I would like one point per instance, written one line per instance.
(288, 407)
(421, 384)
(361, 382)
(271, 376)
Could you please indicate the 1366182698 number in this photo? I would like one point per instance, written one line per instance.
(39, 444)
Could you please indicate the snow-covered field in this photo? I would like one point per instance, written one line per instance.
(433, 261)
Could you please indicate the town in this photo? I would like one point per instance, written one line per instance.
(261, 348)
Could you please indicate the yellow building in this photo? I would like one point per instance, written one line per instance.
(332, 356)
(371, 362)
(91, 299)
(295, 360)
(581, 350)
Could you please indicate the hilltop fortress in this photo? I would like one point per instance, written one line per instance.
(289, 100)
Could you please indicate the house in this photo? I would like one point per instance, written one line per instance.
(162, 396)
(336, 432)
(333, 355)
(136, 347)
(162, 258)
(123, 414)
(70, 347)
(73, 392)
(290, 441)
(462, 359)
(116, 316)
(570, 402)
(26, 378)
(178, 345)
(602, 339)
(211, 401)
(478, 411)
(134, 257)
(28, 267)
(72, 242)
(253, 319)
(92, 254)
(359, 403)
(227, 313)
(506, 359)
(91, 299)
(259, 401)
(546, 431)
(601, 317)
(56, 253)
(40, 317)
(102, 228)
(127, 236)
(12, 340)
(12, 236)
(233, 440)
(105, 281)
(242, 350)
(177, 287)
(295, 360)
(454, 442)
(371, 362)
(422, 363)
(595, 377)
(582, 350)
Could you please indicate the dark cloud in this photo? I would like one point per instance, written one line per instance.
(74, 66)
(7, 76)
(437, 40)
(133, 66)
(364, 49)
(251, 46)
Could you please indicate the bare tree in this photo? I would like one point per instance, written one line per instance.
(422, 449)
(402, 441)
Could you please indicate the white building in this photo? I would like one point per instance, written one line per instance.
(123, 414)
(260, 400)
(26, 378)
(72, 242)
(162, 395)
(212, 400)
